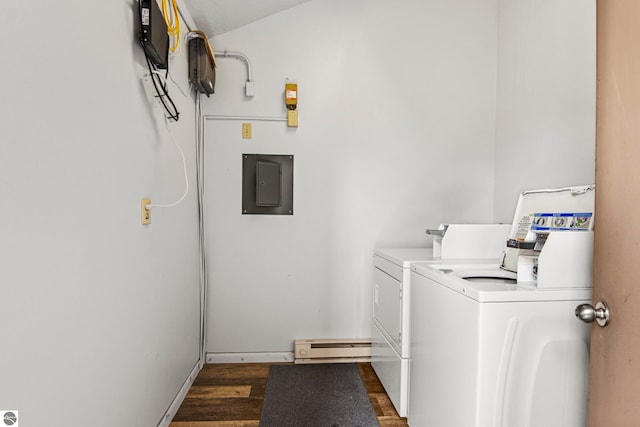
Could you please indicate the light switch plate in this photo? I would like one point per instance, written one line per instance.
(145, 212)
(246, 131)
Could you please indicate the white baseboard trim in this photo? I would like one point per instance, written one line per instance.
(285, 356)
(177, 401)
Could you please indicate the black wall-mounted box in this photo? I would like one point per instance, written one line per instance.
(267, 184)
(153, 33)
(202, 70)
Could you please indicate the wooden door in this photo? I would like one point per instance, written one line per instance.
(614, 389)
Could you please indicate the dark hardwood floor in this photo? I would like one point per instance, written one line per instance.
(231, 395)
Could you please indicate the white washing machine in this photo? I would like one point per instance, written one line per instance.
(495, 348)
(390, 329)
(490, 353)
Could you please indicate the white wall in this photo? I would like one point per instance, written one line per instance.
(545, 119)
(99, 319)
(397, 113)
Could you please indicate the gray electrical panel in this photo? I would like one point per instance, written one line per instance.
(267, 184)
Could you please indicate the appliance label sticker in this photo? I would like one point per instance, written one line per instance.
(9, 418)
(523, 227)
(562, 221)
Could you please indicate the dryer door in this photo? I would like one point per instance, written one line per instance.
(387, 307)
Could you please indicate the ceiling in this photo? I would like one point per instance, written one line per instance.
(215, 17)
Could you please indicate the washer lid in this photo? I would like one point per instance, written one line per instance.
(488, 284)
(490, 274)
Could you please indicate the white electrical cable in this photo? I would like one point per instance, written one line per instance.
(177, 85)
(200, 182)
(186, 176)
(162, 77)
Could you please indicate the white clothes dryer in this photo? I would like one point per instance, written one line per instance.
(390, 327)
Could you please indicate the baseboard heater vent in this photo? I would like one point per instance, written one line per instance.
(332, 351)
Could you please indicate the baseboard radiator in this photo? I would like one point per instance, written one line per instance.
(332, 350)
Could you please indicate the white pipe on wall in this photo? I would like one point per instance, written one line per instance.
(240, 56)
(247, 118)
(249, 86)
